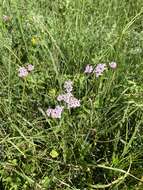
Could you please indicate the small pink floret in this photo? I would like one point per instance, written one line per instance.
(22, 72)
(30, 67)
(49, 111)
(60, 97)
(73, 102)
(88, 69)
(68, 86)
(113, 65)
(100, 68)
(55, 113)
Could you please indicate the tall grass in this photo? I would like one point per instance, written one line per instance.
(96, 146)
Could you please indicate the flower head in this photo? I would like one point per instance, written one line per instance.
(48, 112)
(68, 85)
(22, 72)
(100, 68)
(113, 65)
(55, 113)
(68, 97)
(30, 67)
(60, 97)
(64, 97)
(88, 69)
(73, 102)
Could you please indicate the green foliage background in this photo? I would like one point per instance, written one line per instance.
(99, 145)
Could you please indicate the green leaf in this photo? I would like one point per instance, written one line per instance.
(54, 154)
(45, 182)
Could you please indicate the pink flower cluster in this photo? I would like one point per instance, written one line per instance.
(24, 71)
(68, 98)
(113, 65)
(99, 69)
(88, 69)
(55, 113)
(68, 86)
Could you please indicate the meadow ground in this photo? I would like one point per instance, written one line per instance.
(98, 144)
